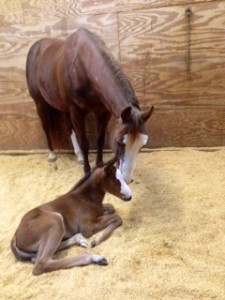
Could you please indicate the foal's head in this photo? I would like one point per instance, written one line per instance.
(113, 182)
(131, 137)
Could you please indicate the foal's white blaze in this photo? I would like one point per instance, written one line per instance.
(125, 190)
(76, 148)
(128, 161)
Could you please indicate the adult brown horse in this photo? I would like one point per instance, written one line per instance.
(69, 220)
(77, 76)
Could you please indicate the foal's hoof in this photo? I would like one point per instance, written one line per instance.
(93, 244)
(102, 262)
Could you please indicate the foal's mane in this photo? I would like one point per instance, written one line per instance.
(82, 180)
(88, 175)
(115, 68)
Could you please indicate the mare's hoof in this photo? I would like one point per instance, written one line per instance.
(52, 157)
(80, 161)
(102, 262)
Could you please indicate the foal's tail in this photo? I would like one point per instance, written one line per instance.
(20, 254)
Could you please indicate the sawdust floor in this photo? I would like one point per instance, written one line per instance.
(170, 246)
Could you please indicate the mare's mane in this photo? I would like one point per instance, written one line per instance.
(115, 68)
(124, 85)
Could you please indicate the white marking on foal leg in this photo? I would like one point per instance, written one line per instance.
(80, 240)
(52, 156)
(76, 148)
(99, 260)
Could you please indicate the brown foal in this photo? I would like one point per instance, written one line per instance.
(71, 219)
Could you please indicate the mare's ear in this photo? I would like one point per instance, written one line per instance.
(126, 113)
(147, 114)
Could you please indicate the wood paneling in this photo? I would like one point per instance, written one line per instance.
(188, 126)
(106, 6)
(154, 53)
(149, 38)
(24, 23)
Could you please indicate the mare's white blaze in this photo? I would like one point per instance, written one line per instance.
(128, 161)
(76, 148)
(125, 190)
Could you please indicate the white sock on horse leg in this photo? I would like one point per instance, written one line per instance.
(52, 156)
(76, 148)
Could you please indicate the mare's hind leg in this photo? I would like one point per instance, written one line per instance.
(102, 122)
(44, 112)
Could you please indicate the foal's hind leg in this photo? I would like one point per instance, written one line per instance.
(49, 244)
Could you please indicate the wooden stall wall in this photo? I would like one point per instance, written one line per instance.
(150, 39)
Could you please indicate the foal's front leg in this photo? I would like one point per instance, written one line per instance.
(108, 209)
(77, 239)
(108, 223)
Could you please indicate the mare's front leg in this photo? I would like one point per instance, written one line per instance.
(102, 122)
(108, 223)
(78, 117)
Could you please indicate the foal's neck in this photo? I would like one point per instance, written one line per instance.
(92, 191)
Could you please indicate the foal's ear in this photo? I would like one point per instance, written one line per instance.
(147, 114)
(108, 169)
(126, 113)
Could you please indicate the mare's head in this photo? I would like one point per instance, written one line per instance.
(113, 182)
(131, 136)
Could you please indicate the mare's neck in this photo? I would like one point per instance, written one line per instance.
(108, 81)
